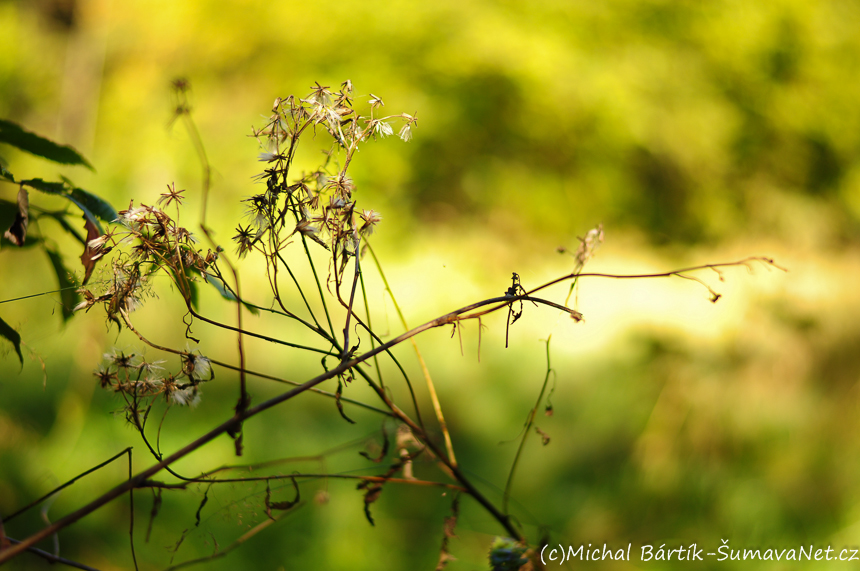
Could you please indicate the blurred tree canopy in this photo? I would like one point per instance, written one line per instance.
(692, 122)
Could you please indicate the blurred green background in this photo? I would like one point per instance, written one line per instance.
(695, 132)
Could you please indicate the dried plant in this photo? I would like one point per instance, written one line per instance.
(316, 210)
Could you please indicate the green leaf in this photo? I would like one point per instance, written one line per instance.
(91, 205)
(195, 295)
(87, 214)
(46, 187)
(6, 174)
(227, 294)
(8, 210)
(13, 336)
(94, 204)
(68, 286)
(187, 278)
(12, 134)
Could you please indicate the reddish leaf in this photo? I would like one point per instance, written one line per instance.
(87, 257)
(18, 231)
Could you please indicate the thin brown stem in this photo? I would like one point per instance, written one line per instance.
(431, 387)
(233, 423)
(140, 336)
(529, 421)
(50, 557)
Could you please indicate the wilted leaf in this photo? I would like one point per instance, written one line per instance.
(13, 134)
(384, 451)
(448, 530)
(339, 404)
(8, 213)
(451, 521)
(87, 257)
(202, 503)
(283, 506)
(13, 337)
(18, 231)
(544, 437)
(68, 294)
(371, 496)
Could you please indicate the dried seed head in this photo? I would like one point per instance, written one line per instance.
(382, 128)
(370, 219)
(375, 102)
(188, 396)
(588, 245)
(196, 367)
(306, 228)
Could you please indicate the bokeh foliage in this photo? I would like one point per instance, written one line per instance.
(695, 132)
